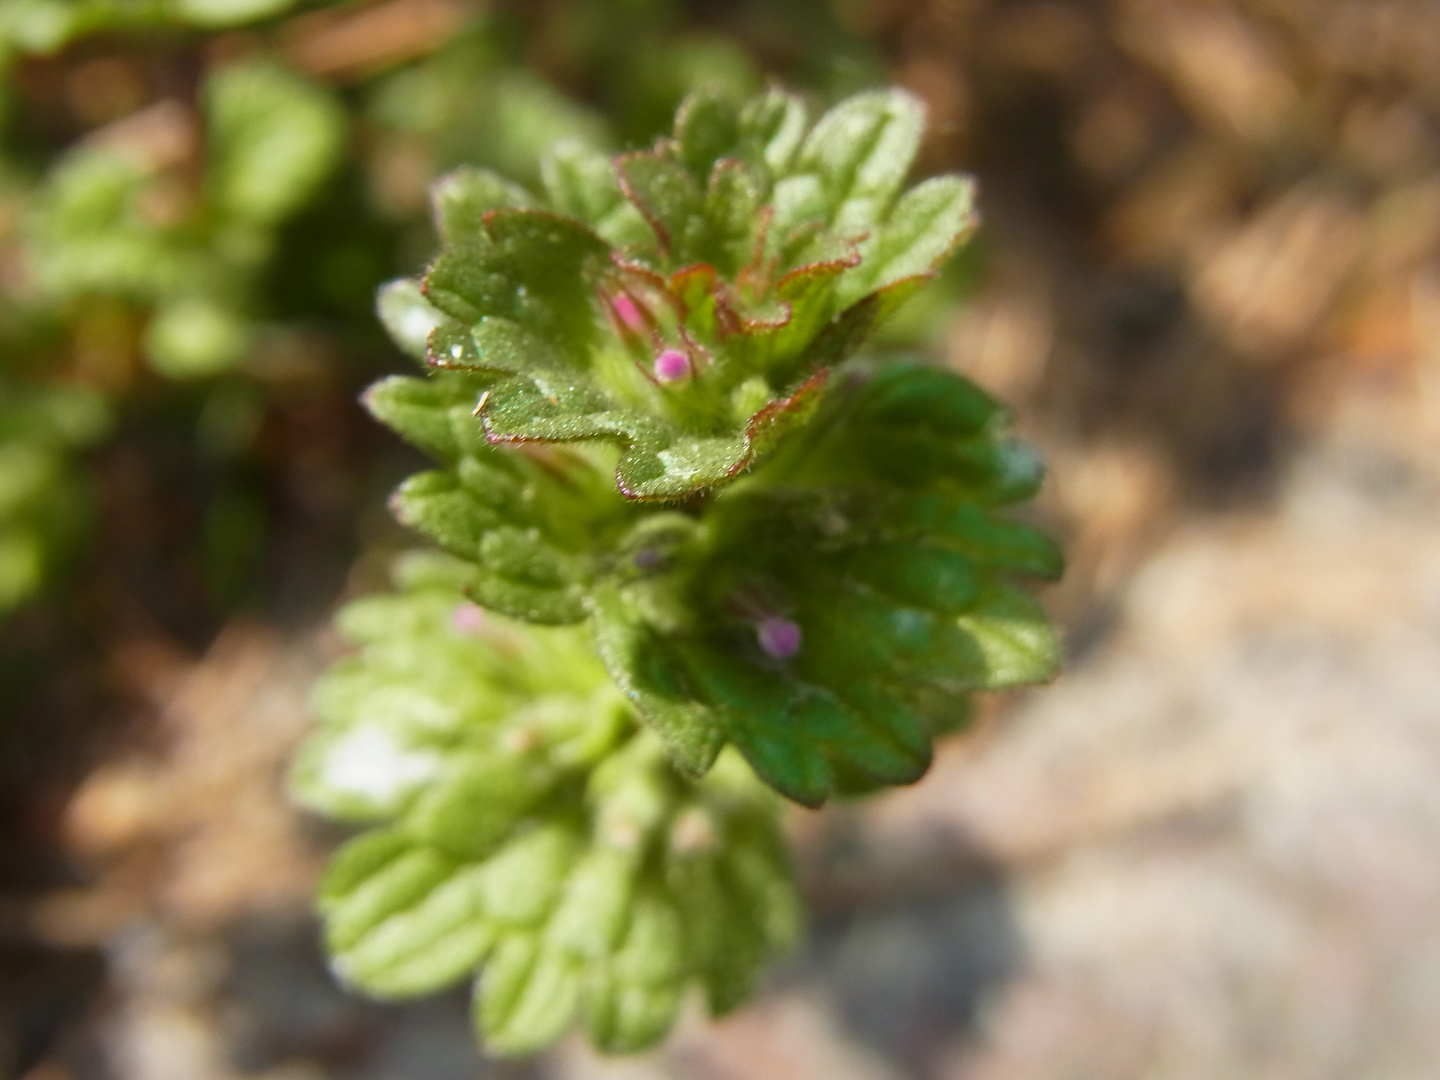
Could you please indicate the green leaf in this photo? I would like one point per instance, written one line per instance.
(481, 800)
(544, 606)
(707, 128)
(408, 316)
(524, 556)
(273, 139)
(527, 996)
(594, 914)
(435, 504)
(580, 181)
(370, 879)
(795, 734)
(653, 678)
(531, 267)
(671, 200)
(997, 544)
(907, 395)
(775, 123)
(859, 152)
(464, 196)
(625, 1018)
(636, 1000)
(921, 233)
(654, 951)
(661, 461)
(219, 13)
(402, 920)
(918, 576)
(420, 411)
(525, 879)
(703, 209)
(362, 773)
(194, 337)
(1015, 637)
(732, 205)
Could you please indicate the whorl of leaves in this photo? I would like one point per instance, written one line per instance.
(659, 439)
(691, 309)
(523, 825)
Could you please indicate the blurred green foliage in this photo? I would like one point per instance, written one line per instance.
(43, 507)
(194, 183)
(99, 225)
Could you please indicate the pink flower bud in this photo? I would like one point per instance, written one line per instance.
(671, 364)
(629, 313)
(779, 637)
(468, 618)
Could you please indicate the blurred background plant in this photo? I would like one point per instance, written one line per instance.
(1210, 280)
(201, 198)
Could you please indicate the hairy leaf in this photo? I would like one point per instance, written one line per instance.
(548, 845)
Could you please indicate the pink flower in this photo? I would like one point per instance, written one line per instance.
(671, 364)
(779, 637)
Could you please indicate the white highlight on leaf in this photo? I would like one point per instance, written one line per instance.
(417, 323)
(369, 763)
(408, 316)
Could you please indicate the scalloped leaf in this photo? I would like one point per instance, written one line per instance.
(518, 573)
(553, 848)
(654, 679)
(795, 734)
(531, 267)
(661, 461)
(422, 411)
(403, 920)
(707, 129)
(580, 181)
(484, 794)
(889, 595)
(859, 152)
(462, 197)
(709, 220)
(774, 125)
(925, 228)
(527, 997)
(1008, 547)
(408, 316)
(1015, 636)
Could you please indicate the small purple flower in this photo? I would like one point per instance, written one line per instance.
(629, 313)
(671, 364)
(779, 637)
(649, 560)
